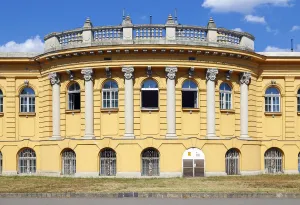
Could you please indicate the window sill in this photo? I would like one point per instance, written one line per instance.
(110, 110)
(227, 111)
(27, 114)
(190, 109)
(149, 109)
(72, 111)
(273, 113)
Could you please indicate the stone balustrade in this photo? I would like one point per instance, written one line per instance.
(169, 33)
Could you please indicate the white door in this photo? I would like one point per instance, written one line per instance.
(193, 163)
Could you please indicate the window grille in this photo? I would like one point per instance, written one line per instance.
(150, 162)
(272, 100)
(232, 159)
(108, 162)
(74, 97)
(273, 161)
(68, 162)
(27, 161)
(110, 95)
(149, 92)
(27, 100)
(189, 94)
(1, 163)
(225, 97)
(298, 101)
(1, 101)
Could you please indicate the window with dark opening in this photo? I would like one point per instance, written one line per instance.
(189, 94)
(74, 97)
(149, 94)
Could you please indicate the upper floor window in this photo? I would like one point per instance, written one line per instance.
(149, 93)
(1, 101)
(74, 97)
(272, 100)
(189, 94)
(225, 97)
(110, 95)
(298, 101)
(27, 100)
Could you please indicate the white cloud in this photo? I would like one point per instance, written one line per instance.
(238, 29)
(270, 30)
(277, 49)
(241, 6)
(295, 28)
(255, 19)
(34, 44)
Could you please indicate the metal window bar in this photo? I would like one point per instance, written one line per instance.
(150, 162)
(273, 161)
(68, 162)
(232, 159)
(27, 161)
(108, 162)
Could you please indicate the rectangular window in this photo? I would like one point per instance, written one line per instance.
(298, 104)
(272, 104)
(1, 104)
(110, 99)
(150, 99)
(74, 101)
(189, 99)
(225, 101)
(27, 104)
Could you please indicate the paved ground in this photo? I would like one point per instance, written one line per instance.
(149, 201)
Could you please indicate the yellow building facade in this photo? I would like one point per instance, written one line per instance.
(164, 100)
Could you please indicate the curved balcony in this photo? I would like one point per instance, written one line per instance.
(170, 33)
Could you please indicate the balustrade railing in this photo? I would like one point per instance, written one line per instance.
(191, 33)
(149, 32)
(72, 37)
(102, 34)
(228, 37)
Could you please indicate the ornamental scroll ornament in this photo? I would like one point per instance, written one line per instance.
(245, 78)
(87, 74)
(211, 74)
(128, 72)
(54, 78)
(171, 72)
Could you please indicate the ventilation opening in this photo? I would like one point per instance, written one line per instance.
(149, 99)
(107, 59)
(189, 99)
(192, 58)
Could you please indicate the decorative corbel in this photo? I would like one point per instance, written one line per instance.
(26, 83)
(191, 72)
(108, 72)
(71, 75)
(228, 74)
(149, 71)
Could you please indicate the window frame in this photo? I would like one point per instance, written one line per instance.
(108, 162)
(271, 98)
(146, 159)
(27, 98)
(298, 101)
(149, 89)
(278, 157)
(1, 163)
(70, 102)
(190, 90)
(68, 155)
(26, 164)
(112, 92)
(224, 94)
(232, 155)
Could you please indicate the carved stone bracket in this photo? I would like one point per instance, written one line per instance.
(171, 72)
(191, 72)
(26, 83)
(149, 71)
(228, 74)
(128, 72)
(87, 74)
(54, 78)
(211, 74)
(245, 78)
(71, 75)
(108, 72)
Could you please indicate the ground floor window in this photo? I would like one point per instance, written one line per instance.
(27, 161)
(232, 162)
(299, 162)
(273, 161)
(0, 163)
(150, 162)
(108, 162)
(68, 162)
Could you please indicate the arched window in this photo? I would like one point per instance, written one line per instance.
(110, 95)
(298, 101)
(272, 100)
(189, 94)
(108, 162)
(1, 163)
(232, 162)
(149, 93)
(273, 161)
(68, 162)
(1, 101)
(225, 97)
(150, 162)
(27, 100)
(74, 97)
(27, 161)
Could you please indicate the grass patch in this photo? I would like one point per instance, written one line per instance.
(234, 184)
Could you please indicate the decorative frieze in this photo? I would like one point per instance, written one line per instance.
(87, 74)
(211, 74)
(54, 78)
(128, 72)
(171, 72)
(245, 78)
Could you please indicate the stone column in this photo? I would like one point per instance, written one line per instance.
(171, 106)
(245, 79)
(55, 82)
(128, 74)
(89, 103)
(211, 75)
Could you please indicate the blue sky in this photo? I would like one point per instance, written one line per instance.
(272, 22)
